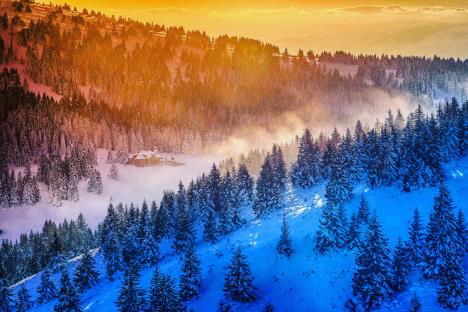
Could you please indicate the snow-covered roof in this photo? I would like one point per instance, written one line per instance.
(144, 155)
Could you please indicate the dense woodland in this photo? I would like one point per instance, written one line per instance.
(408, 152)
(126, 86)
(156, 85)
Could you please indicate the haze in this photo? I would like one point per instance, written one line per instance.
(372, 26)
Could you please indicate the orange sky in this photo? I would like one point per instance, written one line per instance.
(368, 26)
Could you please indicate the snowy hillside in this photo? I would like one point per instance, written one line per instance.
(310, 282)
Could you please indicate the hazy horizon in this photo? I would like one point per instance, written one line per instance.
(369, 27)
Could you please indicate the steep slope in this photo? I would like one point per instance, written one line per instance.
(307, 281)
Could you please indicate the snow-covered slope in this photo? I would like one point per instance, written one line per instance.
(306, 281)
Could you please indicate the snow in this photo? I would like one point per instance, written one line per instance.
(306, 281)
(134, 185)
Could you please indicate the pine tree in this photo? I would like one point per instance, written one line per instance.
(110, 158)
(185, 235)
(149, 250)
(238, 281)
(338, 190)
(279, 178)
(114, 172)
(95, 182)
(441, 233)
(451, 293)
(131, 245)
(371, 280)
(210, 231)
(462, 232)
(353, 238)
(190, 280)
(332, 230)
(6, 296)
(31, 193)
(363, 212)
(400, 267)
(161, 227)
(163, 295)
(68, 299)
(23, 301)
(415, 303)
(244, 184)
(86, 275)
(284, 246)
(111, 245)
(73, 179)
(47, 290)
(214, 181)
(131, 297)
(305, 172)
(226, 224)
(55, 253)
(416, 239)
(265, 191)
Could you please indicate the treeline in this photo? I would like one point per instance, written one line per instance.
(49, 248)
(418, 75)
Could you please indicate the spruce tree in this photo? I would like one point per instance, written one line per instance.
(416, 239)
(214, 186)
(185, 235)
(441, 233)
(47, 290)
(338, 190)
(363, 211)
(371, 280)
(110, 158)
(114, 172)
(163, 295)
(23, 301)
(238, 281)
(131, 245)
(353, 238)
(305, 172)
(162, 224)
(210, 229)
(31, 193)
(332, 231)
(149, 250)
(226, 224)
(111, 245)
(462, 232)
(279, 174)
(415, 303)
(131, 297)
(264, 201)
(86, 275)
(95, 182)
(244, 184)
(284, 246)
(451, 293)
(190, 280)
(6, 296)
(400, 267)
(68, 299)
